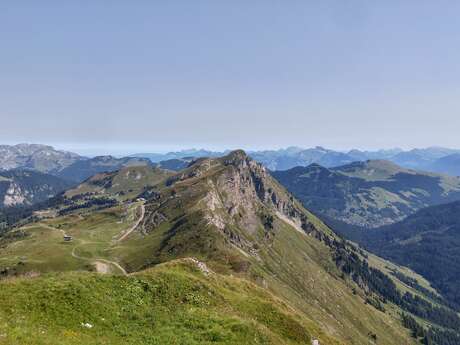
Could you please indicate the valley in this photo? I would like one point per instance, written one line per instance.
(368, 194)
(427, 241)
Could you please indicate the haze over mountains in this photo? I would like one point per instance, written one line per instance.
(74, 168)
(42, 158)
(46, 159)
(431, 159)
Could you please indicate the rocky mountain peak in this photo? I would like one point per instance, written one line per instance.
(38, 157)
(236, 157)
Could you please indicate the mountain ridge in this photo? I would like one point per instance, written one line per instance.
(370, 193)
(232, 215)
(46, 159)
(43, 158)
(287, 158)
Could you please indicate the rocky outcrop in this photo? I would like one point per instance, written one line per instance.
(18, 187)
(234, 194)
(14, 196)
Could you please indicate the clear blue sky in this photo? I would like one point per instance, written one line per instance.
(135, 75)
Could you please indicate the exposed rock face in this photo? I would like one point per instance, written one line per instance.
(243, 193)
(19, 187)
(152, 220)
(14, 196)
(233, 194)
(249, 181)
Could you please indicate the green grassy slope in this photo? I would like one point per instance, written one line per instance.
(174, 303)
(80, 170)
(123, 184)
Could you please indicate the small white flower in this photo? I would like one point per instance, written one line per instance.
(87, 325)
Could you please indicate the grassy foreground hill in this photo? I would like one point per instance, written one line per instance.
(180, 302)
(368, 194)
(265, 271)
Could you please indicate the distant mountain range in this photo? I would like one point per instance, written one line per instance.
(436, 159)
(449, 164)
(158, 157)
(65, 165)
(175, 164)
(41, 158)
(46, 159)
(368, 194)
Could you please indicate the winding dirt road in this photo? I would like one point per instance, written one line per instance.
(102, 265)
(126, 234)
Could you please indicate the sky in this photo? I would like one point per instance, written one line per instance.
(130, 76)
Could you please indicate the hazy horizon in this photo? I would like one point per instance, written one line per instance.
(164, 76)
(125, 150)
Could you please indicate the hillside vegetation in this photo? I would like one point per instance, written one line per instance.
(428, 242)
(239, 223)
(180, 302)
(368, 194)
(123, 184)
(83, 169)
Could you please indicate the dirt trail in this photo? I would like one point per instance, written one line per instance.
(101, 264)
(102, 267)
(127, 233)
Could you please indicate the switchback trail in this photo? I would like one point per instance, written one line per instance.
(101, 264)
